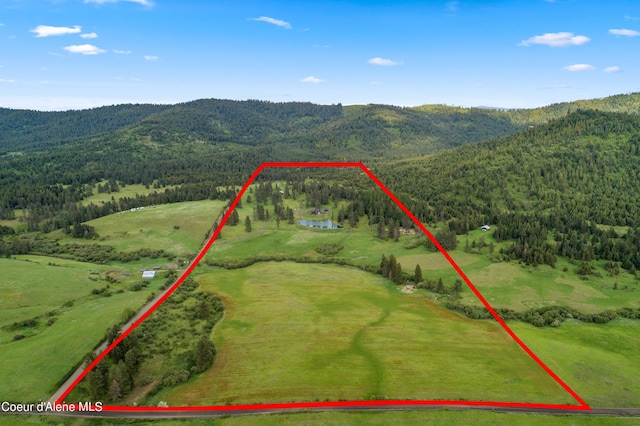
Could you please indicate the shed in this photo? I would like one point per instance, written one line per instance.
(149, 274)
(485, 227)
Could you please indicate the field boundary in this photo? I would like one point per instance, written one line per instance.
(582, 405)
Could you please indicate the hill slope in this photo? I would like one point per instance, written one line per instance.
(554, 189)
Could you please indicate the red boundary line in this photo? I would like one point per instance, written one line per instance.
(301, 405)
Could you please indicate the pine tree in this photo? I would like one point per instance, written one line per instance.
(234, 219)
(204, 354)
(384, 266)
(397, 274)
(247, 224)
(114, 390)
(381, 228)
(417, 275)
(392, 267)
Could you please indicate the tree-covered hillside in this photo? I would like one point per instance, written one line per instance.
(557, 189)
(578, 171)
(25, 130)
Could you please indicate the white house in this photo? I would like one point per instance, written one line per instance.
(149, 274)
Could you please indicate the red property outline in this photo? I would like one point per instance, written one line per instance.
(302, 405)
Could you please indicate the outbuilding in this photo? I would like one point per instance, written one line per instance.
(149, 274)
(485, 227)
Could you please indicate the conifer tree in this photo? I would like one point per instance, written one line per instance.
(417, 275)
(397, 274)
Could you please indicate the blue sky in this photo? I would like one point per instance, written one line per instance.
(62, 54)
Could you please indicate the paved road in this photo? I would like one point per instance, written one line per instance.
(140, 413)
(140, 313)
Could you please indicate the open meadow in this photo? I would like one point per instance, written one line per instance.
(600, 362)
(53, 312)
(178, 228)
(370, 315)
(503, 284)
(295, 332)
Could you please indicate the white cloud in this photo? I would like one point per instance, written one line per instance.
(2, 80)
(624, 32)
(312, 79)
(84, 49)
(452, 6)
(560, 39)
(631, 18)
(150, 58)
(612, 69)
(89, 35)
(121, 52)
(278, 22)
(48, 31)
(579, 67)
(142, 2)
(383, 62)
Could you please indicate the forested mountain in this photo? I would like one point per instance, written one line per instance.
(25, 130)
(576, 172)
(629, 104)
(563, 179)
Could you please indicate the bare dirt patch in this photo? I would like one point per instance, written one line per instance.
(409, 289)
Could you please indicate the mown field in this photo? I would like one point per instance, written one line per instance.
(296, 332)
(178, 228)
(127, 191)
(605, 380)
(503, 284)
(68, 319)
(601, 362)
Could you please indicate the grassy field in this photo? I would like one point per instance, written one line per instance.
(32, 286)
(62, 294)
(178, 228)
(601, 362)
(296, 332)
(503, 284)
(128, 191)
(401, 418)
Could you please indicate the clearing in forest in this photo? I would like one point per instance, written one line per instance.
(296, 332)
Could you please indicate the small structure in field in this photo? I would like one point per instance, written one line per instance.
(319, 211)
(149, 274)
(485, 227)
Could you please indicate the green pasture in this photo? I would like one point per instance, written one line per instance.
(127, 191)
(31, 286)
(178, 228)
(601, 362)
(295, 332)
(503, 284)
(32, 289)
